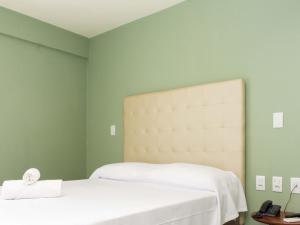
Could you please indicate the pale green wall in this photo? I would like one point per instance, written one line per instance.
(42, 101)
(26, 28)
(203, 41)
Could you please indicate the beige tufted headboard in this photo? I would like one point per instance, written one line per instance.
(202, 124)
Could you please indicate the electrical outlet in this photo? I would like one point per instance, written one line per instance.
(295, 181)
(260, 183)
(277, 184)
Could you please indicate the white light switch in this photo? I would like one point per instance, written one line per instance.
(113, 130)
(260, 183)
(278, 120)
(277, 184)
(295, 181)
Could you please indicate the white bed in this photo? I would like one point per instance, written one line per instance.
(107, 202)
(201, 125)
(134, 194)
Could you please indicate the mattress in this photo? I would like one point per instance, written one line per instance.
(108, 202)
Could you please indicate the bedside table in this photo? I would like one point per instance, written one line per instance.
(273, 220)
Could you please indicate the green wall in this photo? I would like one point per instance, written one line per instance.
(42, 101)
(203, 41)
(26, 28)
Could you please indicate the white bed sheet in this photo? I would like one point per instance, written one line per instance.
(107, 202)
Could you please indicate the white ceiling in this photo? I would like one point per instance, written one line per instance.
(88, 17)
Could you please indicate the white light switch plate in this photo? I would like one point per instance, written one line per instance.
(260, 183)
(278, 120)
(277, 184)
(113, 130)
(295, 181)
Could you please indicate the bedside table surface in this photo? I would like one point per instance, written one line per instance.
(274, 220)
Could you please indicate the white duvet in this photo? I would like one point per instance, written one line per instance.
(225, 184)
(107, 202)
(137, 194)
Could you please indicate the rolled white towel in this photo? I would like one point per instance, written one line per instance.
(31, 176)
(16, 189)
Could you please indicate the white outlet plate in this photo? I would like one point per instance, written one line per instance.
(260, 183)
(277, 184)
(295, 181)
(278, 120)
(113, 130)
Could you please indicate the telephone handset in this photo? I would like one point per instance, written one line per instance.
(265, 206)
(268, 209)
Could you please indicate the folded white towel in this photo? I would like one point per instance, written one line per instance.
(16, 189)
(31, 176)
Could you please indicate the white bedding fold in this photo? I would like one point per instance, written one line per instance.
(17, 189)
(225, 184)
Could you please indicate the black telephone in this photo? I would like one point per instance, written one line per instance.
(268, 209)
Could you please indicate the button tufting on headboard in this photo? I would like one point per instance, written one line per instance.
(202, 124)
